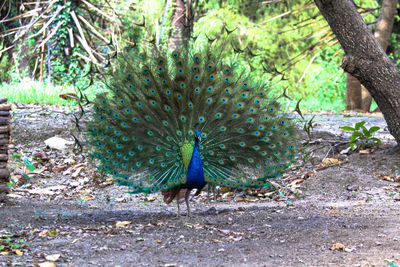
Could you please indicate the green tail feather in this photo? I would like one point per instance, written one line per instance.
(158, 99)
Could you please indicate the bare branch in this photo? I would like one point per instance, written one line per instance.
(50, 35)
(98, 10)
(82, 39)
(59, 8)
(92, 29)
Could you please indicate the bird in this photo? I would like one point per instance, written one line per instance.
(177, 120)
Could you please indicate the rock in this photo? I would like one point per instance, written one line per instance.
(58, 143)
(4, 190)
(52, 190)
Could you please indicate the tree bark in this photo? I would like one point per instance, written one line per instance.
(182, 23)
(357, 96)
(382, 33)
(353, 93)
(385, 23)
(365, 59)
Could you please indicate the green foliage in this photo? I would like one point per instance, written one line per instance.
(22, 161)
(4, 65)
(319, 82)
(326, 86)
(395, 47)
(11, 242)
(275, 42)
(361, 136)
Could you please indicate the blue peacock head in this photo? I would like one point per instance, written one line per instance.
(197, 136)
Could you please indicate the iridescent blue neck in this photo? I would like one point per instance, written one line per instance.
(195, 174)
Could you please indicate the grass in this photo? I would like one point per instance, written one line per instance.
(34, 92)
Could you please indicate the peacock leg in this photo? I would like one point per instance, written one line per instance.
(179, 209)
(187, 194)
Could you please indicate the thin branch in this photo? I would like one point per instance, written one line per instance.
(163, 20)
(17, 36)
(82, 40)
(7, 48)
(92, 29)
(98, 10)
(71, 37)
(306, 70)
(51, 34)
(59, 8)
(30, 13)
(87, 48)
(286, 13)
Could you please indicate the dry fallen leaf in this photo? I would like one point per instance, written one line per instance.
(19, 180)
(237, 238)
(86, 197)
(348, 249)
(337, 246)
(225, 232)
(77, 172)
(158, 241)
(40, 155)
(38, 171)
(47, 264)
(365, 151)
(240, 199)
(122, 223)
(341, 247)
(390, 177)
(43, 233)
(59, 168)
(53, 257)
(19, 252)
(296, 182)
(307, 174)
(198, 226)
(149, 198)
(75, 240)
(330, 161)
(69, 161)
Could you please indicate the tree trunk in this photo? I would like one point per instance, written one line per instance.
(357, 93)
(182, 23)
(385, 23)
(365, 59)
(353, 93)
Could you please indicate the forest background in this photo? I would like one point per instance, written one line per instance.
(48, 48)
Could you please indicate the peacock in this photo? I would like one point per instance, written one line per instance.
(173, 120)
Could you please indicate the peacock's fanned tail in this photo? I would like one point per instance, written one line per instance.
(142, 130)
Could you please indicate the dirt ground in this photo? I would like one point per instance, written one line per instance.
(342, 212)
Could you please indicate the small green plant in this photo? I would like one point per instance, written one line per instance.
(11, 242)
(21, 160)
(361, 136)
